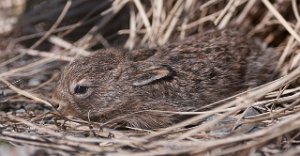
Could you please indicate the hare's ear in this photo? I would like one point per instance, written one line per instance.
(153, 74)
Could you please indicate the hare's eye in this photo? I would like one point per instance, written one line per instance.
(80, 89)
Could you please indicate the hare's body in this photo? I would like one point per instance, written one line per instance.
(134, 88)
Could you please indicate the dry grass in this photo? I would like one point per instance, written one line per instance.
(54, 32)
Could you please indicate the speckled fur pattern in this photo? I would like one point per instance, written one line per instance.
(132, 88)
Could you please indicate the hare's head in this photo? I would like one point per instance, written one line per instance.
(85, 86)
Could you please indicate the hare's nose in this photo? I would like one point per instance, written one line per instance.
(56, 102)
(55, 105)
(58, 105)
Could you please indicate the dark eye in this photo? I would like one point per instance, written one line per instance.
(80, 89)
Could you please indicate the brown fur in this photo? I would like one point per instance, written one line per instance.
(180, 76)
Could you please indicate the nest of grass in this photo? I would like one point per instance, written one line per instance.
(50, 33)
